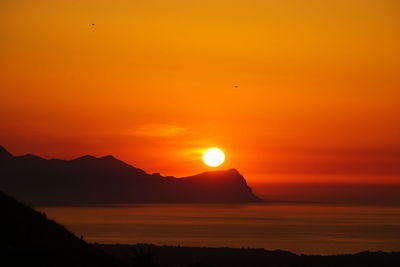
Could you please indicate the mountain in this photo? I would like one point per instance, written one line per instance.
(4, 154)
(107, 180)
(28, 238)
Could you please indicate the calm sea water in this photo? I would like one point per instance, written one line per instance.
(323, 229)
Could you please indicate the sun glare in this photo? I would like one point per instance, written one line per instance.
(213, 157)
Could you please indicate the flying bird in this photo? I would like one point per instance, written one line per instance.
(236, 86)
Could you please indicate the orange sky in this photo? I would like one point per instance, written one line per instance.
(152, 83)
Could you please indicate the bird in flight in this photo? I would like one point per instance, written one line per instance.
(236, 86)
(93, 24)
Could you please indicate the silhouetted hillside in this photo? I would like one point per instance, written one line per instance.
(105, 180)
(170, 256)
(28, 238)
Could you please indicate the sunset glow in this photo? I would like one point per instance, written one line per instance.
(178, 133)
(298, 91)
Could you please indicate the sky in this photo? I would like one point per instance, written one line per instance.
(154, 84)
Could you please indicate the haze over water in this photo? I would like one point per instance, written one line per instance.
(300, 228)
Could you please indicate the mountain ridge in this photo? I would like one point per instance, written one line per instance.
(29, 238)
(4, 153)
(108, 180)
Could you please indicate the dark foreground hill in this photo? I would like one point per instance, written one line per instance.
(170, 256)
(28, 238)
(107, 180)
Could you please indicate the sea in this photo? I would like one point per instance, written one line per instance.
(296, 227)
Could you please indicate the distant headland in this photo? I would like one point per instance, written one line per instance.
(107, 180)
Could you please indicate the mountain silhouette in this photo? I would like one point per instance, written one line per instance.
(4, 154)
(28, 238)
(107, 180)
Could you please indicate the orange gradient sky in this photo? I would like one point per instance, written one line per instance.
(152, 83)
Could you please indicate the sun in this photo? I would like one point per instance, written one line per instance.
(213, 157)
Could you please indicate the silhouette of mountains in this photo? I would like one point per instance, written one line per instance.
(4, 154)
(107, 180)
(28, 238)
